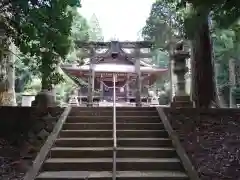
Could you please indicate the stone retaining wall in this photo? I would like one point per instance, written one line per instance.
(16, 122)
(211, 138)
(23, 130)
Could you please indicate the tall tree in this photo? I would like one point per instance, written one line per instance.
(197, 22)
(194, 15)
(95, 32)
(27, 69)
(163, 27)
(41, 30)
(226, 49)
(163, 24)
(79, 32)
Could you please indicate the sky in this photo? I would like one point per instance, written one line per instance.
(119, 19)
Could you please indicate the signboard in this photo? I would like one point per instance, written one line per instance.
(27, 100)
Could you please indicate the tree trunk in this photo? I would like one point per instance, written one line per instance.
(203, 67)
(220, 95)
(45, 74)
(10, 70)
(7, 71)
(45, 98)
(232, 81)
(192, 50)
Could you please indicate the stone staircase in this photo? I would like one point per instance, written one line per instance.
(83, 150)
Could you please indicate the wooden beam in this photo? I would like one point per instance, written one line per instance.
(90, 44)
(129, 55)
(42, 155)
(137, 44)
(124, 44)
(141, 55)
(192, 173)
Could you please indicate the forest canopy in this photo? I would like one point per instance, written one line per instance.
(212, 27)
(44, 33)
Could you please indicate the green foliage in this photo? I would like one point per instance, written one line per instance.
(163, 24)
(79, 28)
(162, 27)
(171, 19)
(64, 88)
(23, 75)
(41, 30)
(95, 31)
(34, 87)
(160, 58)
(79, 32)
(191, 12)
(236, 94)
(27, 64)
(226, 46)
(164, 98)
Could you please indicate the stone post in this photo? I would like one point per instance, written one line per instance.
(181, 98)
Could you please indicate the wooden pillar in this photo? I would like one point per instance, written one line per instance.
(181, 99)
(80, 99)
(89, 104)
(127, 88)
(90, 79)
(101, 88)
(93, 84)
(138, 78)
(79, 93)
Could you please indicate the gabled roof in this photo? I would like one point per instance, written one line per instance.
(124, 68)
(142, 63)
(124, 55)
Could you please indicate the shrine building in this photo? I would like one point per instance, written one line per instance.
(117, 58)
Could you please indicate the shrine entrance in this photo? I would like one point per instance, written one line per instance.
(107, 86)
(125, 59)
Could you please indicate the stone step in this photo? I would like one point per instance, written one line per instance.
(120, 133)
(84, 147)
(122, 152)
(120, 126)
(105, 164)
(108, 142)
(99, 109)
(119, 119)
(106, 175)
(110, 113)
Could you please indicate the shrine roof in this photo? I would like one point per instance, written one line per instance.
(118, 68)
(142, 62)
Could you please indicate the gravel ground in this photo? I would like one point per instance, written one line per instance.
(212, 143)
(10, 162)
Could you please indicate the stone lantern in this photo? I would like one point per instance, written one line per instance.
(181, 99)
